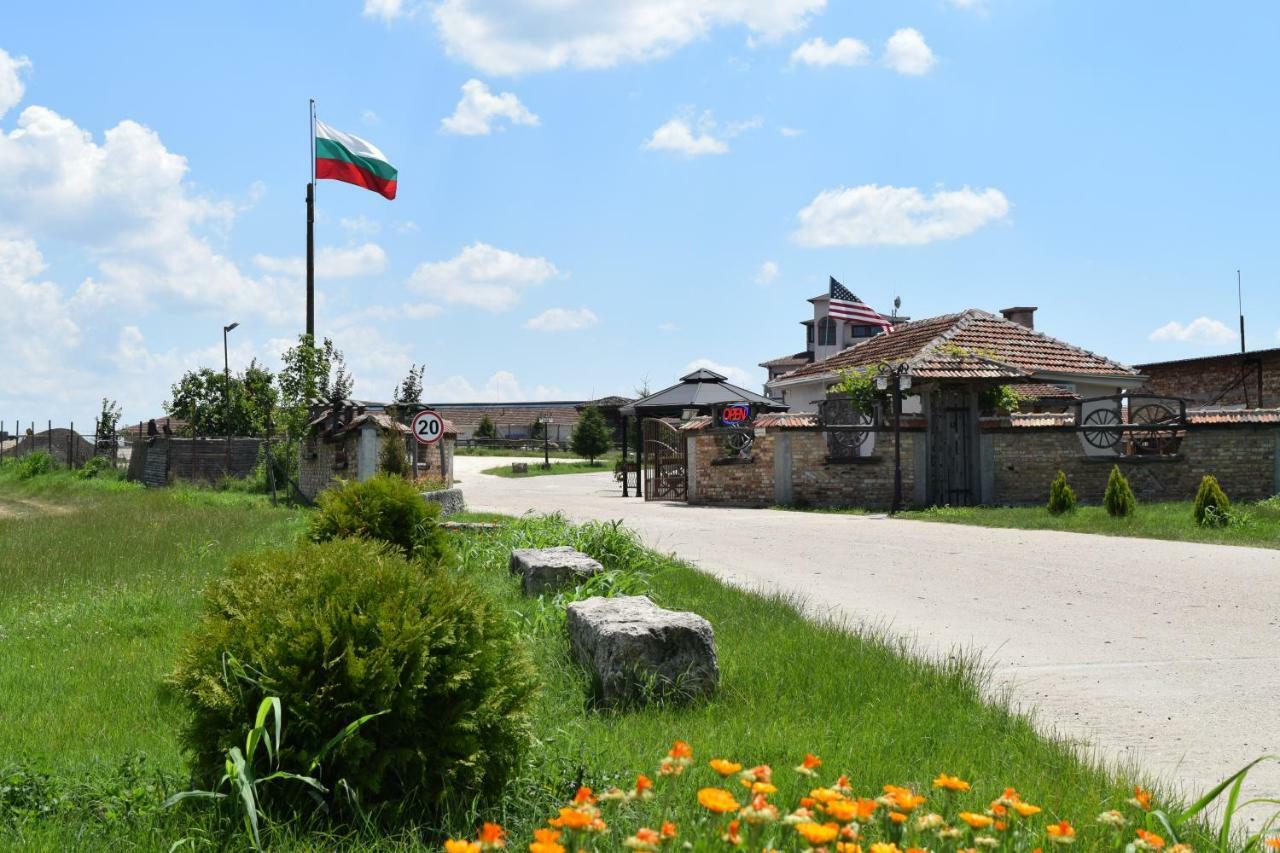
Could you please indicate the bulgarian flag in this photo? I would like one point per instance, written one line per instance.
(343, 157)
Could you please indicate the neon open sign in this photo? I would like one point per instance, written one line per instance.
(735, 415)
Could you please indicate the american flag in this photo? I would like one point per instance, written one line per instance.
(845, 306)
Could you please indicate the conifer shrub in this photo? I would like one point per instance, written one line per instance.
(346, 628)
(1119, 499)
(1062, 498)
(1212, 507)
(591, 437)
(386, 508)
(393, 459)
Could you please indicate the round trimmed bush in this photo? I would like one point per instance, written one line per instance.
(347, 628)
(385, 508)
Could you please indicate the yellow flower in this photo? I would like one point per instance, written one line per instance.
(950, 783)
(883, 847)
(842, 810)
(724, 767)
(977, 821)
(545, 841)
(1026, 809)
(717, 800)
(760, 787)
(454, 845)
(932, 820)
(903, 799)
(1061, 833)
(848, 847)
(818, 834)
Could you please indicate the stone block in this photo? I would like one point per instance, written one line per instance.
(450, 500)
(637, 651)
(542, 569)
(519, 467)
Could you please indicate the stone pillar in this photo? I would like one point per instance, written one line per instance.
(691, 466)
(782, 494)
(986, 469)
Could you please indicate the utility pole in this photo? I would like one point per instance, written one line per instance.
(226, 392)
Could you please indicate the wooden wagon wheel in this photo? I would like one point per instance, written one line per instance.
(1153, 442)
(1103, 439)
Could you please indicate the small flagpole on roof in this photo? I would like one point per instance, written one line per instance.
(311, 227)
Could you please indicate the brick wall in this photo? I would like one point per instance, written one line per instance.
(1203, 380)
(1243, 458)
(812, 480)
(321, 462)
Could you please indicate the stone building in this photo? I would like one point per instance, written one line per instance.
(1249, 380)
(345, 442)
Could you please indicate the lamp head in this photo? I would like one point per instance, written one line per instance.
(229, 328)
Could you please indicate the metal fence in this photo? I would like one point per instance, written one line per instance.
(67, 445)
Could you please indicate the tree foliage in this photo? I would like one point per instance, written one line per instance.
(486, 428)
(200, 398)
(409, 391)
(591, 436)
(108, 418)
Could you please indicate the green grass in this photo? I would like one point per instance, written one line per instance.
(1255, 524)
(536, 469)
(100, 581)
(514, 452)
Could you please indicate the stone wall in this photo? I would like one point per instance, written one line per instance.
(1204, 380)
(1242, 457)
(321, 462)
(790, 467)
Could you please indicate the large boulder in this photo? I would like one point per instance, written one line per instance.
(450, 500)
(637, 651)
(541, 569)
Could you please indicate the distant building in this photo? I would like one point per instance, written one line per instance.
(518, 420)
(1250, 380)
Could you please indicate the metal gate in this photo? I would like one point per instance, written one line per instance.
(666, 469)
(953, 450)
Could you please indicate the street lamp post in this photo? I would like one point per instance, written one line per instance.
(897, 378)
(545, 420)
(226, 392)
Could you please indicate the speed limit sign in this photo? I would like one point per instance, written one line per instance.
(427, 427)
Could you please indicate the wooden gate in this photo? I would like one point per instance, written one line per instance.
(666, 468)
(953, 448)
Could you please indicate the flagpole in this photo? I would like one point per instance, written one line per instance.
(311, 227)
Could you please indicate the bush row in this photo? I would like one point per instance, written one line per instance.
(1212, 508)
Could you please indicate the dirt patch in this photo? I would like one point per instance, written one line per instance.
(26, 508)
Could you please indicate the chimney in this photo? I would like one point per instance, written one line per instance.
(1022, 315)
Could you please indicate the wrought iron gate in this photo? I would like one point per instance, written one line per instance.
(666, 469)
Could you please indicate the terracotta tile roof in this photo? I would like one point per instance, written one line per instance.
(1234, 416)
(1044, 391)
(970, 345)
(773, 420)
(789, 360)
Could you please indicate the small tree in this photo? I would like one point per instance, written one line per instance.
(1212, 508)
(537, 429)
(1062, 498)
(392, 458)
(485, 429)
(591, 435)
(1119, 499)
(410, 389)
(108, 420)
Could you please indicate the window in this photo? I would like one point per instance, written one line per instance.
(863, 331)
(808, 334)
(826, 332)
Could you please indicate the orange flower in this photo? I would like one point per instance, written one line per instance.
(680, 749)
(643, 786)
(492, 836)
(1026, 809)
(842, 810)
(678, 758)
(583, 795)
(1061, 832)
(760, 787)
(668, 829)
(1150, 840)
(759, 773)
(724, 767)
(545, 841)
(760, 811)
(848, 847)
(884, 847)
(977, 821)
(717, 800)
(825, 795)
(1274, 843)
(903, 799)
(731, 833)
(950, 783)
(842, 785)
(454, 845)
(818, 834)
(645, 839)
(1141, 798)
(809, 766)
(571, 819)
(897, 817)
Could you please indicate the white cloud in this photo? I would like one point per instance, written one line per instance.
(895, 216)
(11, 86)
(370, 117)
(562, 320)
(519, 36)
(846, 51)
(1202, 331)
(387, 10)
(500, 387)
(361, 225)
(790, 132)
(907, 53)
(970, 5)
(668, 328)
(695, 137)
(482, 276)
(480, 111)
(408, 226)
(331, 262)
(735, 375)
(768, 272)
(36, 323)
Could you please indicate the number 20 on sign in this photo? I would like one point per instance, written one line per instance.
(427, 427)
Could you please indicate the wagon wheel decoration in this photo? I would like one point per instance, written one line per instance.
(1096, 430)
(847, 443)
(1154, 441)
(738, 443)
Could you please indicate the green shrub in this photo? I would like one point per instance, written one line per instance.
(35, 464)
(97, 467)
(1212, 508)
(393, 459)
(1062, 498)
(591, 437)
(348, 628)
(386, 508)
(1119, 499)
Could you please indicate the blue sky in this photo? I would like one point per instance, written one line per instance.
(627, 187)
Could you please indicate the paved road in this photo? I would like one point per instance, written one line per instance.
(1162, 653)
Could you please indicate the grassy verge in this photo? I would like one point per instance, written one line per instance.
(1256, 524)
(95, 595)
(536, 469)
(531, 454)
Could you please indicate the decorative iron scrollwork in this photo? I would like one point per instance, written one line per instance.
(847, 428)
